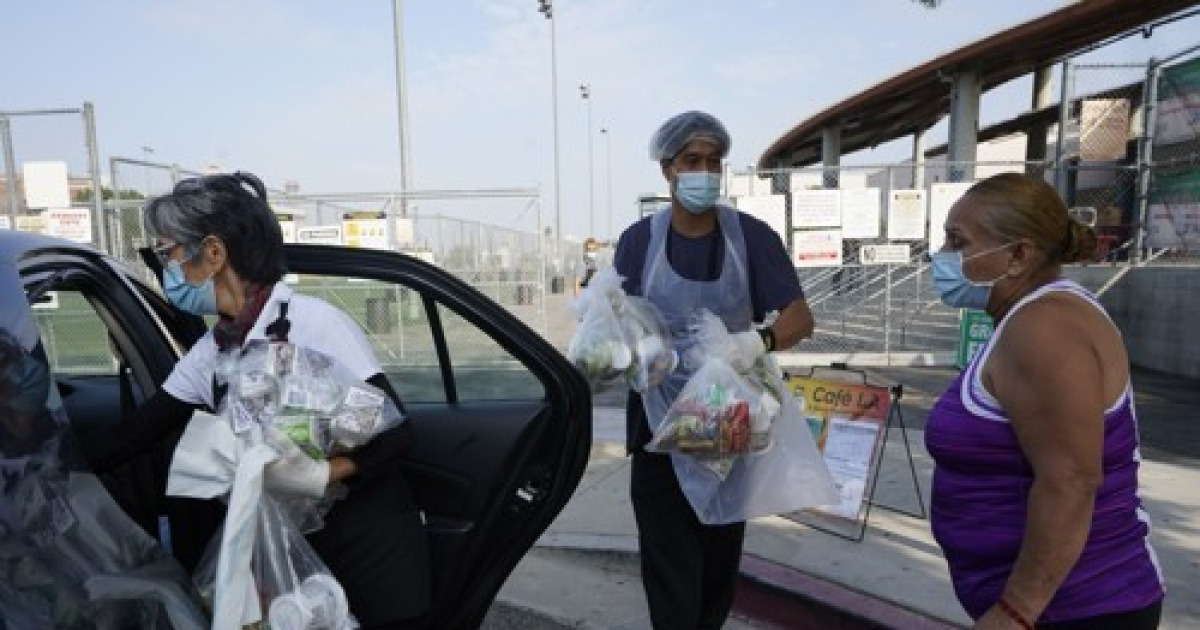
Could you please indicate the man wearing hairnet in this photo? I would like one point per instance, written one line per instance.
(696, 254)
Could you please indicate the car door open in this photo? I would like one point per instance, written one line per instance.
(502, 420)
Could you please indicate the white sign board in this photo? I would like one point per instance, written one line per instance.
(817, 248)
(1173, 225)
(860, 213)
(893, 254)
(806, 180)
(1178, 110)
(46, 185)
(816, 208)
(906, 215)
(73, 224)
(320, 235)
(365, 233)
(5, 224)
(288, 228)
(740, 186)
(770, 208)
(406, 234)
(941, 197)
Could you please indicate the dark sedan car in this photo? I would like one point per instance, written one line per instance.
(503, 420)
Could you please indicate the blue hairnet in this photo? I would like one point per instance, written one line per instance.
(676, 133)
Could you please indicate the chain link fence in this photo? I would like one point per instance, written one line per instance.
(505, 251)
(861, 248)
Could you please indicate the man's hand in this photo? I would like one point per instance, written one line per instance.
(294, 472)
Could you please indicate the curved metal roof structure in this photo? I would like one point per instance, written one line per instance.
(918, 98)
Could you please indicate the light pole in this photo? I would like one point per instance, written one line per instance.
(401, 106)
(608, 178)
(546, 7)
(585, 92)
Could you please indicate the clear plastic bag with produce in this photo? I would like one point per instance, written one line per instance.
(598, 347)
(721, 412)
(650, 340)
(620, 338)
(718, 415)
(737, 437)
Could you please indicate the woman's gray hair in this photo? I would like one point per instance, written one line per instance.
(173, 219)
(232, 207)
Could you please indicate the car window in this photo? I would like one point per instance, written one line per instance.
(74, 337)
(405, 341)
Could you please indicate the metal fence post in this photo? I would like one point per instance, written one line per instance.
(887, 313)
(10, 170)
(118, 243)
(1146, 156)
(1064, 117)
(89, 123)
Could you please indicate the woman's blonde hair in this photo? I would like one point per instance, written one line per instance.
(1024, 207)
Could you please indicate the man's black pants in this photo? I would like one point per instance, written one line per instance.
(689, 570)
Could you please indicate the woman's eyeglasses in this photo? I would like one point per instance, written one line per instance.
(163, 252)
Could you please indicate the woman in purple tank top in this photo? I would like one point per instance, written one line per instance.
(1035, 500)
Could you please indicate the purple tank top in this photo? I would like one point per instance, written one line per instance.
(981, 485)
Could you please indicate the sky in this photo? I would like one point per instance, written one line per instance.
(305, 90)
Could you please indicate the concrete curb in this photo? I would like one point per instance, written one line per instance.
(782, 583)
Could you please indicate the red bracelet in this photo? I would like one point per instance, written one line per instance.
(1014, 614)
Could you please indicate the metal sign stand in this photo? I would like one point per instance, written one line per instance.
(895, 417)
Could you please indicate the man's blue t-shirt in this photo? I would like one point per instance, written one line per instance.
(773, 280)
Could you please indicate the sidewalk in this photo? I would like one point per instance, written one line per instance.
(895, 576)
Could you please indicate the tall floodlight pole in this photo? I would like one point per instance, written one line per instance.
(608, 178)
(401, 107)
(585, 92)
(546, 7)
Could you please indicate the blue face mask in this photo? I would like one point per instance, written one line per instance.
(952, 283)
(697, 192)
(196, 299)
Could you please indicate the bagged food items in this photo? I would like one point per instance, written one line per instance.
(599, 347)
(620, 337)
(306, 394)
(647, 333)
(722, 412)
(718, 415)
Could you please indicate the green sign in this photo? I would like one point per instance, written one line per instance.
(974, 329)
